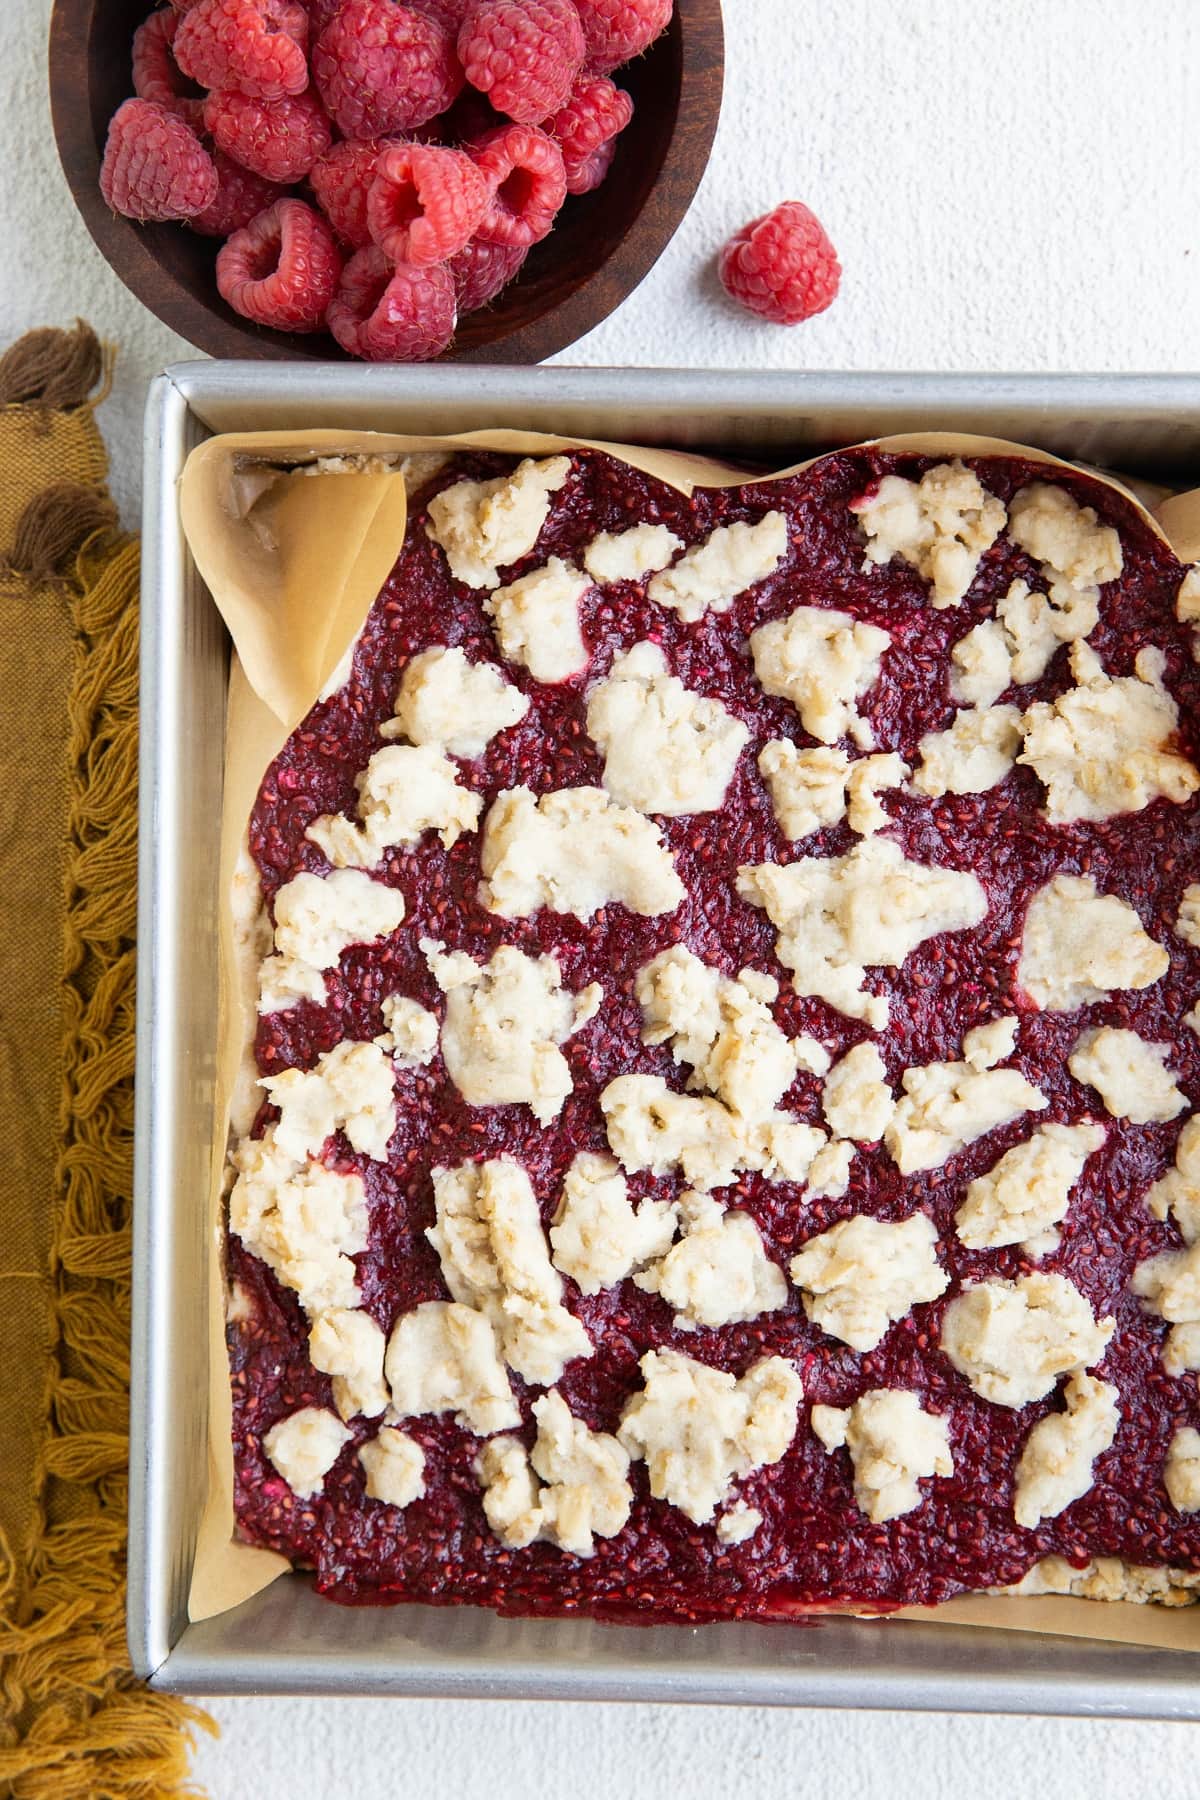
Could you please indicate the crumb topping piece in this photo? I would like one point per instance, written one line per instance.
(813, 788)
(303, 1220)
(350, 1088)
(410, 1033)
(447, 703)
(940, 525)
(442, 1357)
(724, 1029)
(404, 791)
(1130, 1075)
(863, 1274)
(1072, 548)
(1176, 1195)
(484, 526)
(1025, 1195)
(1187, 920)
(316, 918)
(823, 661)
(738, 1523)
(837, 916)
(947, 1105)
(537, 621)
(718, 1273)
(1169, 1286)
(348, 1345)
(572, 1488)
(504, 1023)
(494, 1257)
(304, 1447)
(394, 1465)
(1078, 946)
(1057, 1464)
(974, 754)
(893, 1443)
(1181, 1470)
(666, 749)
(574, 851)
(700, 1429)
(1017, 645)
(856, 1099)
(710, 576)
(630, 555)
(1013, 1339)
(652, 1127)
(597, 1236)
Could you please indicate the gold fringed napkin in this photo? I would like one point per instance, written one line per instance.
(74, 1723)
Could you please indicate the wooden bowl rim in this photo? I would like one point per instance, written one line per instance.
(650, 230)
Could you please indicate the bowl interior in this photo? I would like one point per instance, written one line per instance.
(602, 245)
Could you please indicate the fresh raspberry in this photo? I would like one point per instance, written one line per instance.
(241, 196)
(481, 269)
(447, 13)
(282, 269)
(381, 67)
(340, 181)
(156, 74)
(523, 54)
(154, 166)
(590, 121)
(524, 169)
(615, 30)
(782, 266)
(255, 46)
(279, 139)
(425, 203)
(392, 315)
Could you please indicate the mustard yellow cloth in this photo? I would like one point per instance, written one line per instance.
(74, 1724)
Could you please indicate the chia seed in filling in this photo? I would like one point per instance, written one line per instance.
(814, 1545)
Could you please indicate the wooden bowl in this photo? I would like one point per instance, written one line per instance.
(601, 247)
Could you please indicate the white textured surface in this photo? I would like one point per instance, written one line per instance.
(1010, 185)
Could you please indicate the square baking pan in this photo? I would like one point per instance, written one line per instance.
(288, 1639)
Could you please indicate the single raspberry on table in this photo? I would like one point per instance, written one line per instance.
(382, 67)
(481, 270)
(279, 139)
(615, 30)
(386, 314)
(590, 121)
(781, 266)
(282, 268)
(523, 54)
(241, 196)
(425, 203)
(524, 169)
(256, 46)
(156, 74)
(154, 166)
(340, 181)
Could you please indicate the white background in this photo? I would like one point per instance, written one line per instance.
(1010, 186)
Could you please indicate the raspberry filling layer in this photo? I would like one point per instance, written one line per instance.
(814, 1546)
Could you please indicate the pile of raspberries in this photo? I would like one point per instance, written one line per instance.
(376, 168)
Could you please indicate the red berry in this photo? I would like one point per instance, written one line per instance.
(340, 181)
(241, 196)
(525, 170)
(255, 46)
(481, 269)
(615, 30)
(319, 14)
(782, 266)
(154, 166)
(587, 124)
(425, 203)
(392, 315)
(282, 269)
(447, 13)
(278, 139)
(156, 74)
(382, 67)
(523, 54)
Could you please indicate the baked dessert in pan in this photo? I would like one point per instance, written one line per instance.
(729, 1029)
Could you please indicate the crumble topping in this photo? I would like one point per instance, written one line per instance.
(442, 1357)
(1187, 600)
(573, 851)
(304, 1447)
(856, 1099)
(1181, 1470)
(316, 918)
(630, 555)
(1187, 921)
(1110, 1578)
(823, 661)
(947, 1105)
(349, 1089)
(941, 525)
(710, 576)
(666, 749)
(699, 1429)
(394, 1465)
(981, 665)
(1026, 1194)
(862, 1275)
(807, 787)
(973, 754)
(868, 777)
(724, 1029)
(483, 526)
(305, 1221)
(652, 1127)
(572, 1488)
(1079, 946)
(1169, 1286)
(1057, 1463)
(1066, 540)
(349, 1345)
(454, 705)
(1130, 1075)
(1177, 1193)
(718, 1273)
(893, 1443)
(986, 1045)
(738, 1523)
(1017, 645)
(1102, 747)
(410, 1033)
(1013, 1339)
(598, 1237)
(403, 792)
(836, 916)
(537, 621)
(504, 1023)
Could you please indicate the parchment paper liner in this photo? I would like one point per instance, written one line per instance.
(294, 562)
